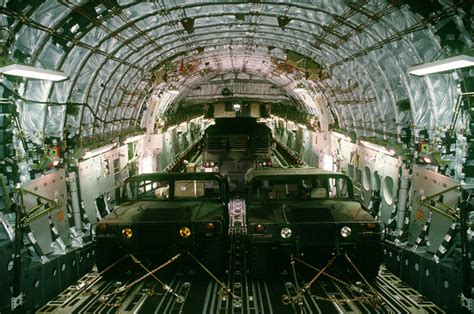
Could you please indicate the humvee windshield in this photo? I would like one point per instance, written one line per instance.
(173, 189)
(301, 187)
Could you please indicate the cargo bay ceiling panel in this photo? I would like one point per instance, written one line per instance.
(343, 62)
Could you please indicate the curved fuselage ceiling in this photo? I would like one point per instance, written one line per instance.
(343, 62)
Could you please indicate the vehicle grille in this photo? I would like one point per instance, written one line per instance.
(155, 235)
(315, 226)
(312, 215)
(316, 234)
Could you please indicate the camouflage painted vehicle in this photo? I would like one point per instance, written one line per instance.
(308, 211)
(162, 214)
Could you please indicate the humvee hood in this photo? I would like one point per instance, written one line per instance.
(328, 211)
(352, 211)
(324, 211)
(162, 211)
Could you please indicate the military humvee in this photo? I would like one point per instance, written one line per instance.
(162, 214)
(308, 211)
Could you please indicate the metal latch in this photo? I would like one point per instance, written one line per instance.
(466, 303)
(17, 301)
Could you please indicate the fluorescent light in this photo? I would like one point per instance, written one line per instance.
(443, 65)
(32, 72)
(426, 159)
(132, 139)
(55, 162)
(378, 148)
(98, 151)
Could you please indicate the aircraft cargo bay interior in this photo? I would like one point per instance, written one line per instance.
(193, 156)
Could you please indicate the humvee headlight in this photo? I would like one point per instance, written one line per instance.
(346, 231)
(184, 232)
(127, 233)
(285, 232)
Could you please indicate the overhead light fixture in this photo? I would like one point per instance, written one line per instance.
(132, 139)
(54, 162)
(98, 151)
(32, 72)
(378, 148)
(426, 159)
(443, 65)
(236, 107)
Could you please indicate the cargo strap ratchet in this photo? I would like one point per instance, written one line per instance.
(224, 291)
(104, 299)
(371, 298)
